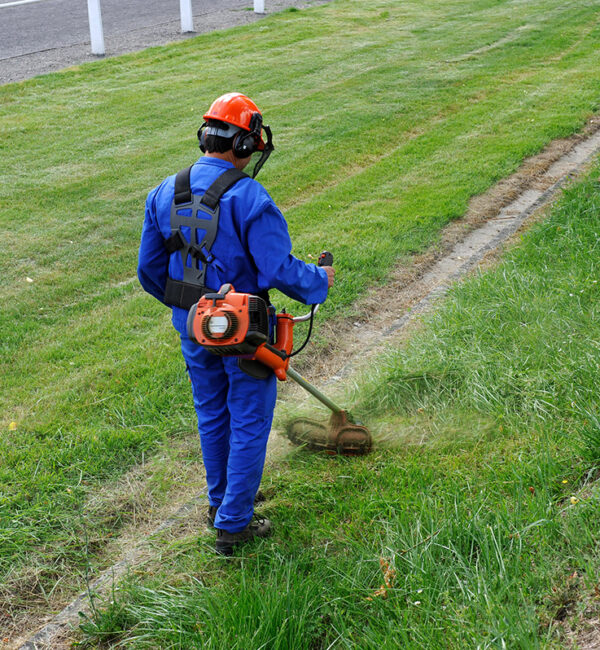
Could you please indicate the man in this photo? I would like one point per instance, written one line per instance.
(209, 225)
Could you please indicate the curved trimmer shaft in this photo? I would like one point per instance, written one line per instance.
(299, 379)
(339, 437)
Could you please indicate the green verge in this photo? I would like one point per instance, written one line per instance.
(483, 503)
(388, 117)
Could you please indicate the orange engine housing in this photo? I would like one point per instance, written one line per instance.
(237, 325)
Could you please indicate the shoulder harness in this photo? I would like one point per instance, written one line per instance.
(201, 215)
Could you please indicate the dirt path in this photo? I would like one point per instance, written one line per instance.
(492, 219)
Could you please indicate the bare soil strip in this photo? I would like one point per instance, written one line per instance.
(491, 220)
(50, 635)
(471, 250)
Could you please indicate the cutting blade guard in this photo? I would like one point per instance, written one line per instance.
(339, 436)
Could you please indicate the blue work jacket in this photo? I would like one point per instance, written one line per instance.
(252, 248)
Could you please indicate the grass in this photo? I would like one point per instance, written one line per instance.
(387, 116)
(474, 526)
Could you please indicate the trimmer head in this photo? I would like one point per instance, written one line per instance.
(340, 436)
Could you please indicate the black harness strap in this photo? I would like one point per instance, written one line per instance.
(226, 180)
(183, 187)
(183, 294)
(203, 223)
(183, 197)
(175, 242)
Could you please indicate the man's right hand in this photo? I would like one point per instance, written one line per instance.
(330, 275)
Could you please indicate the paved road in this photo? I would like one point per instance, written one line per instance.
(39, 36)
(46, 24)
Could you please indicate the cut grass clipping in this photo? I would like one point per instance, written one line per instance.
(476, 526)
(387, 117)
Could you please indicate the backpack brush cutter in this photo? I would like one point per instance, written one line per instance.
(235, 324)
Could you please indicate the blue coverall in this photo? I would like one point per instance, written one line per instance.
(252, 252)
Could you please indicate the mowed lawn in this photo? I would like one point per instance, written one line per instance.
(387, 118)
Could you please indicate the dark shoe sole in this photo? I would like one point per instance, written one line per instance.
(227, 548)
(226, 542)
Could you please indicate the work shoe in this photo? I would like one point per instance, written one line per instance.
(226, 542)
(212, 510)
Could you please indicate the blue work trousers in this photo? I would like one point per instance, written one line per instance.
(235, 412)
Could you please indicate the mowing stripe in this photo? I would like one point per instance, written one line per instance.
(473, 248)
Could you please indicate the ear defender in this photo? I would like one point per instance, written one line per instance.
(245, 140)
(201, 138)
(246, 143)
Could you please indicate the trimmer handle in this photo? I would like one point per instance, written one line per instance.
(325, 259)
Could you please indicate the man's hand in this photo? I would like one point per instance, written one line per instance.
(330, 275)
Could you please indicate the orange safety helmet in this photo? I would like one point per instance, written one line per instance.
(240, 111)
(236, 109)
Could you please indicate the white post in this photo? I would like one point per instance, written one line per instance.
(259, 6)
(187, 19)
(96, 31)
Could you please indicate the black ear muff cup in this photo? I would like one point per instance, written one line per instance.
(244, 145)
(201, 138)
(247, 142)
